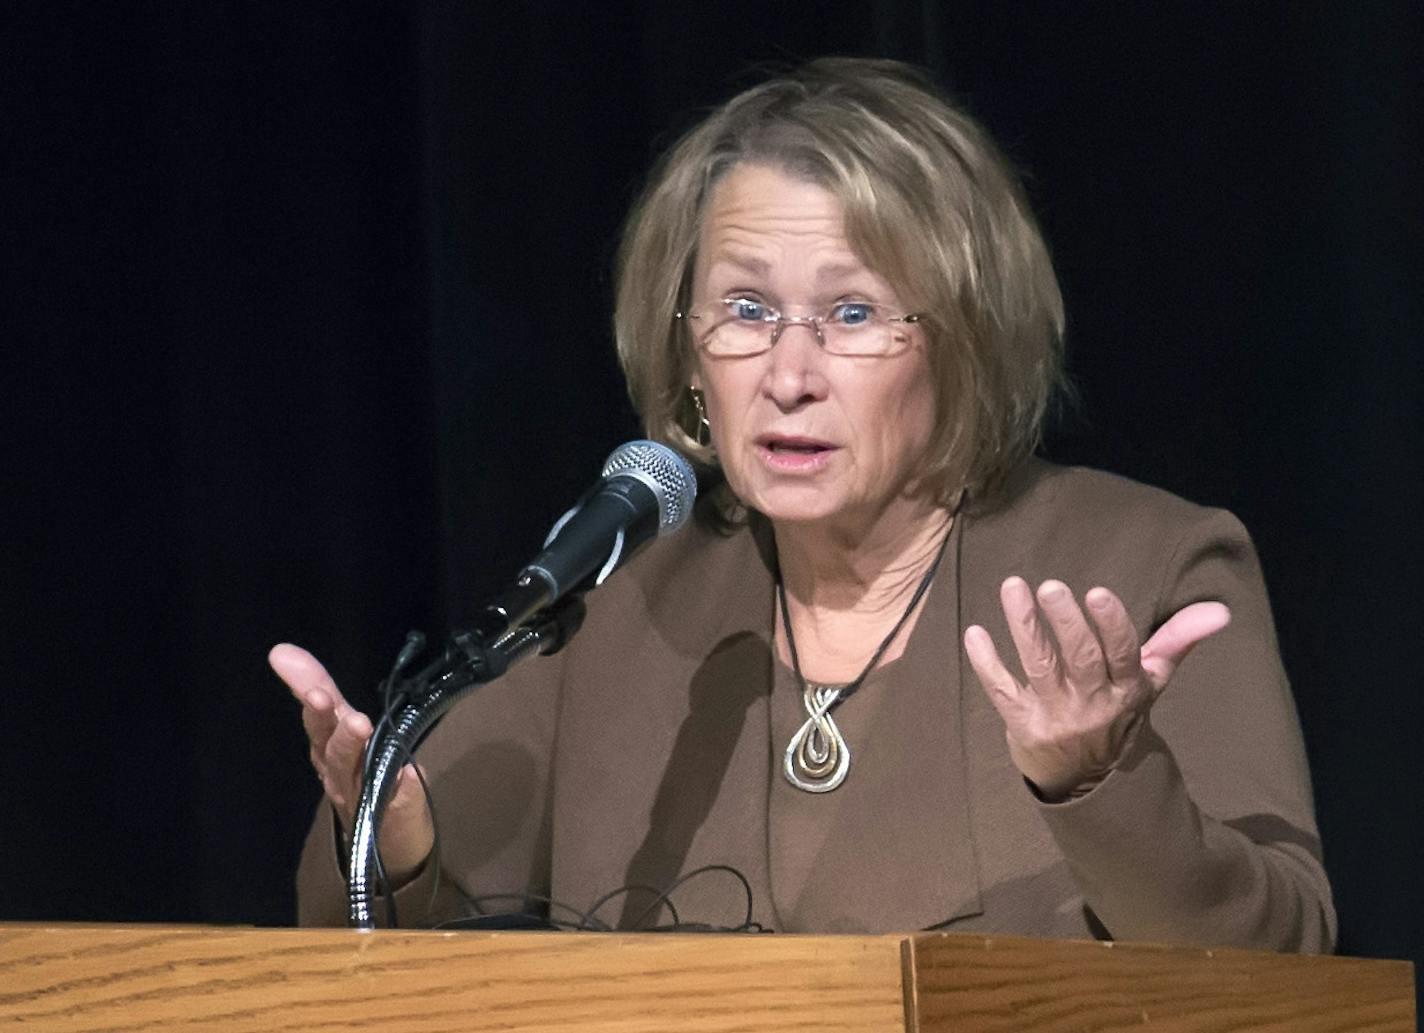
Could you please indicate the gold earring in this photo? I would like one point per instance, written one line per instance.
(702, 433)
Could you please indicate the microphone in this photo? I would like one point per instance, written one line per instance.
(646, 490)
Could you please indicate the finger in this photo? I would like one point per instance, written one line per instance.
(319, 720)
(340, 762)
(997, 681)
(1121, 650)
(1179, 636)
(312, 686)
(1078, 645)
(1036, 650)
(304, 674)
(346, 749)
(407, 831)
(410, 793)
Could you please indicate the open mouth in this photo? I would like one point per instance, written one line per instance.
(794, 449)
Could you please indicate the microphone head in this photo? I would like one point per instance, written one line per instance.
(666, 473)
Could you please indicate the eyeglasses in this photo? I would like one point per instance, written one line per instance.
(736, 327)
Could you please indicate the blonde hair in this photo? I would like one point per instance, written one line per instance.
(930, 205)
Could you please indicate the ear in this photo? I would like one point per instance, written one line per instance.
(696, 380)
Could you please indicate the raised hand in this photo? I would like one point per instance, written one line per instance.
(337, 734)
(1089, 683)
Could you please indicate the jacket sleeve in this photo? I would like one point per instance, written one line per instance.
(1205, 831)
(488, 766)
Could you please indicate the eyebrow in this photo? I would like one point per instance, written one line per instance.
(744, 262)
(761, 266)
(840, 269)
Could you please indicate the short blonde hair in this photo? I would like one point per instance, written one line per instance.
(930, 205)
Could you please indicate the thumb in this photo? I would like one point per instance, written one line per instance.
(1179, 636)
(303, 673)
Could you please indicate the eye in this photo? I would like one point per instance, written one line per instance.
(852, 313)
(747, 308)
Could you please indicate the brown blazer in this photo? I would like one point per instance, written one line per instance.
(652, 746)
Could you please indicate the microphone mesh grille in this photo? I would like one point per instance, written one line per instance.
(664, 471)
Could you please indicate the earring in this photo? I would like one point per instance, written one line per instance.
(702, 433)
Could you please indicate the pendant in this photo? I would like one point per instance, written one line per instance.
(817, 758)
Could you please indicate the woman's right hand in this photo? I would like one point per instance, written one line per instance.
(337, 734)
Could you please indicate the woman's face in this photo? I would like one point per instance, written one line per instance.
(805, 436)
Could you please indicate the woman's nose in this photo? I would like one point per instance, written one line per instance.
(796, 372)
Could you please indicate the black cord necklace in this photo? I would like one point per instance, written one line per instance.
(817, 757)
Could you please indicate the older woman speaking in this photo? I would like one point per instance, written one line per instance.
(900, 674)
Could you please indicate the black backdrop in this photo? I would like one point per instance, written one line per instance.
(305, 336)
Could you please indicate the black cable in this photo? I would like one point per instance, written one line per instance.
(747, 923)
(582, 918)
(588, 921)
(659, 896)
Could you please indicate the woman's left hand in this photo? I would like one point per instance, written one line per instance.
(1089, 682)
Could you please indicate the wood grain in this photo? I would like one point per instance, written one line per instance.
(90, 978)
(69, 977)
(980, 985)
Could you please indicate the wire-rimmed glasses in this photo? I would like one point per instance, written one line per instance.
(736, 327)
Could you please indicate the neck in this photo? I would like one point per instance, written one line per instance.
(868, 567)
(847, 586)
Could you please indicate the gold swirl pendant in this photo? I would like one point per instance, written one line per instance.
(817, 758)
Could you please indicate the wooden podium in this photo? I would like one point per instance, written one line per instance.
(73, 977)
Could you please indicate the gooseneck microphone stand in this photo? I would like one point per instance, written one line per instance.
(471, 659)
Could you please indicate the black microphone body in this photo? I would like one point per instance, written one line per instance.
(618, 516)
(646, 490)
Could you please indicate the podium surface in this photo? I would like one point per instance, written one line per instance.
(78, 977)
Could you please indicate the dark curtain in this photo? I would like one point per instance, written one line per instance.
(306, 337)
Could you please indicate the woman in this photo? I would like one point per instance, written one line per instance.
(865, 682)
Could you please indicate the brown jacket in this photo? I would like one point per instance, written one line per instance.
(653, 745)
